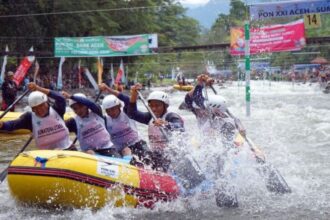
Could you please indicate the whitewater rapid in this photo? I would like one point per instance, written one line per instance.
(290, 123)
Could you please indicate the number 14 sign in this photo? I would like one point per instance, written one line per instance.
(312, 20)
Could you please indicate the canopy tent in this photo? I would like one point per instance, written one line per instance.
(319, 60)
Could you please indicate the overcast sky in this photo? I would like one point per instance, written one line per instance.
(194, 2)
(203, 2)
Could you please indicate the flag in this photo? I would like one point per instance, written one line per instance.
(23, 68)
(59, 76)
(112, 75)
(3, 69)
(91, 79)
(36, 71)
(125, 76)
(120, 74)
(99, 70)
(173, 74)
(136, 77)
(79, 74)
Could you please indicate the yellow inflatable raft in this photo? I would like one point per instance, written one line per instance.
(183, 88)
(74, 179)
(15, 115)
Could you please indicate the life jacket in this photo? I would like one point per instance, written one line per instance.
(122, 130)
(157, 139)
(50, 132)
(227, 127)
(91, 132)
(214, 127)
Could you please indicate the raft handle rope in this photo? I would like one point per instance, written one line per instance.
(98, 159)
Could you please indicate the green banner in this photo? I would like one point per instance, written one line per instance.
(105, 46)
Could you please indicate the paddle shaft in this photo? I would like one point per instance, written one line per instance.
(14, 103)
(96, 99)
(4, 173)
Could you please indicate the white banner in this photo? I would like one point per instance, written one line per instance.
(292, 8)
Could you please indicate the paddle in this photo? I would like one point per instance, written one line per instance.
(275, 181)
(96, 99)
(4, 173)
(14, 103)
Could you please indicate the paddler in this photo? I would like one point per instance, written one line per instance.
(183, 167)
(89, 126)
(212, 113)
(158, 102)
(214, 121)
(122, 129)
(45, 121)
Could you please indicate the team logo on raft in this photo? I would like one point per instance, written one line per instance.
(107, 170)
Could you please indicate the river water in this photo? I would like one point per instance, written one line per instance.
(291, 124)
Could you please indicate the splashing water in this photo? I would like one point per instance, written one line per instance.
(290, 123)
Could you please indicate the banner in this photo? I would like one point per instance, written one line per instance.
(106, 46)
(3, 69)
(99, 70)
(91, 79)
(23, 68)
(59, 75)
(284, 9)
(120, 74)
(274, 38)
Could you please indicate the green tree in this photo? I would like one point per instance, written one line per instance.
(69, 18)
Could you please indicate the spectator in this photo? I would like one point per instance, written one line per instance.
(9, 91)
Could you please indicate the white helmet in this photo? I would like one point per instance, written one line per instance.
(71, 101)
(216, 102)
(160, 96)
(37, 98)
(110, 101)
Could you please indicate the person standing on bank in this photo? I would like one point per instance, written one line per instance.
(45, 121)
(9, 91)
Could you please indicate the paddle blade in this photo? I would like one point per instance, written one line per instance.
(226, 197)
(3, 175)
(183, 106)
(274, 180)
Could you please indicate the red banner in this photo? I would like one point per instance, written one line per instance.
(273, 38)
(22, 70)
